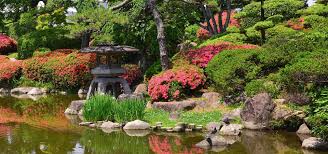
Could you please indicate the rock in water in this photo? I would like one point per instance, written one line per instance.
(315, 143)
(256, 112)
(110, 125)
(137, 125)
(215, 141)
(75, 107)
(231, 129)
(304, 129)
(213, 125)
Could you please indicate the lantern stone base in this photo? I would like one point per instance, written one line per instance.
(112, 85)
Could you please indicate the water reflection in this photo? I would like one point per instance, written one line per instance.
(28, 126)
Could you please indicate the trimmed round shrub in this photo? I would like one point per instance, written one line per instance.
(7, 44)
(175, 83)
(232, 69)
(306, 68)
(68, 70)
(251, 13)
(9, 69)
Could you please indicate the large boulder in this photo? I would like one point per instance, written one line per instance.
(176, 105)
(136, 125)
(211, 99)
(231, 129)
(75, 107)
(37, 91)
(21, 90)
(315, 143)
(141, 89)
(4, 90)
(130, 96)
(280, 112)
(213, 125)
(304, 129)
(256, 113)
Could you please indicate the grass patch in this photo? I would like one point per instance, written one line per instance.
(105, 107)
(198, 118)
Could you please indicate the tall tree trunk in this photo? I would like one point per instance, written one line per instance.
(262, 19)
(226, 24)
(204, 9)
(160, 35)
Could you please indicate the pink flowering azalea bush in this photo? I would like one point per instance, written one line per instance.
(203, 55)
(9, 69)
(175, 83)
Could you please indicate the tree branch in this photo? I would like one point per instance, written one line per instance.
(118, 6)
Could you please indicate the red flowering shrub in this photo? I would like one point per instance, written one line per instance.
(204, 34)
(133, 73)
(202, 56)
(296, 24)
(9, 69)
(175, 83)
(63, 69)
(7, 44)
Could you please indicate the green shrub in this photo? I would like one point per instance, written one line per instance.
(236, 38)
(153, 70)
(233, 29)
(253, 36)
(250, 14)
(262, 25)
(316, 9)
(317, 23)
(280, 30)
(318, 115)
(105, 107)
(306, 68)
(232, 69)
(191, 33)
(261, 85)
(276, 18)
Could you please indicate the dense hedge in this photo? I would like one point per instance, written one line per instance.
(9, 70)
(65, 69)
(203, 55)
(232, 69)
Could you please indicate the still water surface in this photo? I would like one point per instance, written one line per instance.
(28, 126)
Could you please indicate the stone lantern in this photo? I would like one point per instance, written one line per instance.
(108, 69)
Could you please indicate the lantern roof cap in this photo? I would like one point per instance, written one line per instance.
(107, 48)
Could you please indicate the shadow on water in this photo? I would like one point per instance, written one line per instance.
(28, 126)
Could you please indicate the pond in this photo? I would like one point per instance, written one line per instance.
(28, 126)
